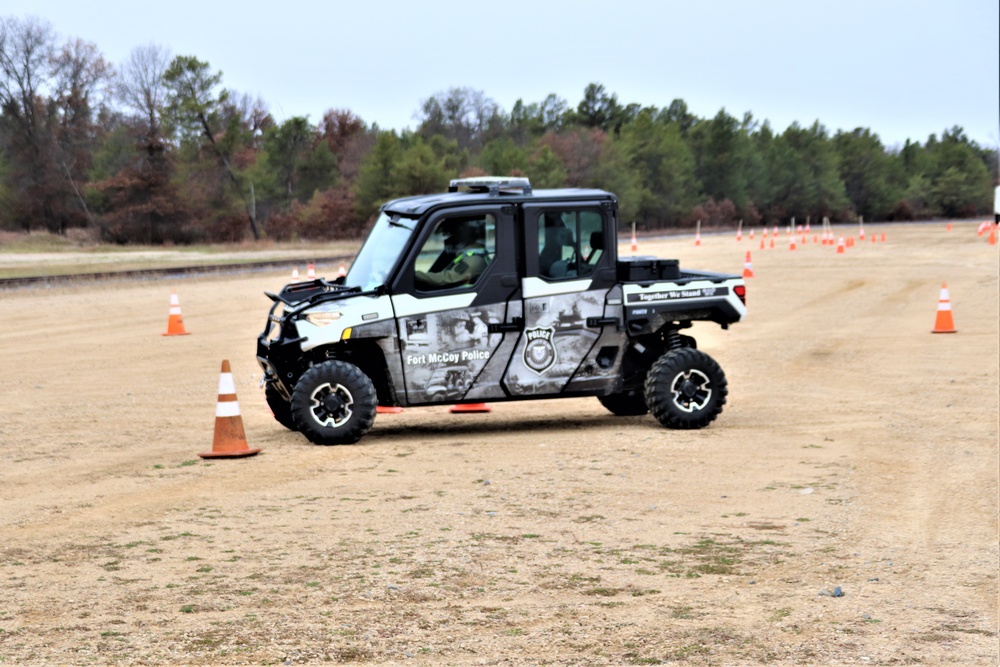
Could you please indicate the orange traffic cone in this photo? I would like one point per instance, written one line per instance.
(469, 407)
(175, 322)
(748, 267)
(840, 246)
(635, 245)
(949, 227)
(342, 271)
(311, 272)
(230, 441)
(772, 239)
(388, 409)
(944, 323)
(295, 275)
(883, 237)
(791, 242)
(992, 240)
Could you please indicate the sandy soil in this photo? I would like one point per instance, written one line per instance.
(857, 451)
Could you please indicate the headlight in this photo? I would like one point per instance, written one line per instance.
(323, 317)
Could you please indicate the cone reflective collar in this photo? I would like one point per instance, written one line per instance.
(230, 440)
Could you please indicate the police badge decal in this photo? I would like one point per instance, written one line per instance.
(539, 352)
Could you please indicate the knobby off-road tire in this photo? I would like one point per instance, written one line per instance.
(625, 403)
(334, 403)
(685, 389)
(280, 408)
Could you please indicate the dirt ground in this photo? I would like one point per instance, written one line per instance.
(857, 451)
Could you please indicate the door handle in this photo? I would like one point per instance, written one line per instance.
(517, 324)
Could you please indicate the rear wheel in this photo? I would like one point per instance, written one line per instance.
(334, 403)
(625, 404)
(685, 389)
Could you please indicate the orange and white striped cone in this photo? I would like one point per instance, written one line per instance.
(635, 245)
(791, 242)
(944, 322)
(762, 243)
(883, 237)
(311, 272)
(295, 275)
(948, 228)
(175, 322)
(772, 239)
(841, 246)
(850, 241)
(230, 441)
(342, 271)
(748, 267)
(465, 408)
(751, 233)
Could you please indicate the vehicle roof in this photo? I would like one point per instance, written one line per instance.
(420, 204)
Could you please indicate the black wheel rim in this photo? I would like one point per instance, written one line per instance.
(331, 405)
(691, 391)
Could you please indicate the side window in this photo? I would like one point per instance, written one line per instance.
(456, 253)
(570, 243)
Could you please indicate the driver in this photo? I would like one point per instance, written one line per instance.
(466, 240)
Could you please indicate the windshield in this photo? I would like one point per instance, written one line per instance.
(379, 253)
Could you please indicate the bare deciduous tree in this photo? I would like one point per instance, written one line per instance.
(141, 88)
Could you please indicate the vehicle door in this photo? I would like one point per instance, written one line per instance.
(572, 336)
(451, 302)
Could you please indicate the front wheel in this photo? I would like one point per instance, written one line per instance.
(334, 403)
(280, 408)
(685, 389)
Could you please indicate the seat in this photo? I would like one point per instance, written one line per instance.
(596, 247)
(550, 259)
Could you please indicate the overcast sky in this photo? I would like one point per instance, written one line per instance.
(902, 68)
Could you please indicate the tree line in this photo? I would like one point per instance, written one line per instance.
(157, 150)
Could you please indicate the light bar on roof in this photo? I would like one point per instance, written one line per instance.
(491, 184)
